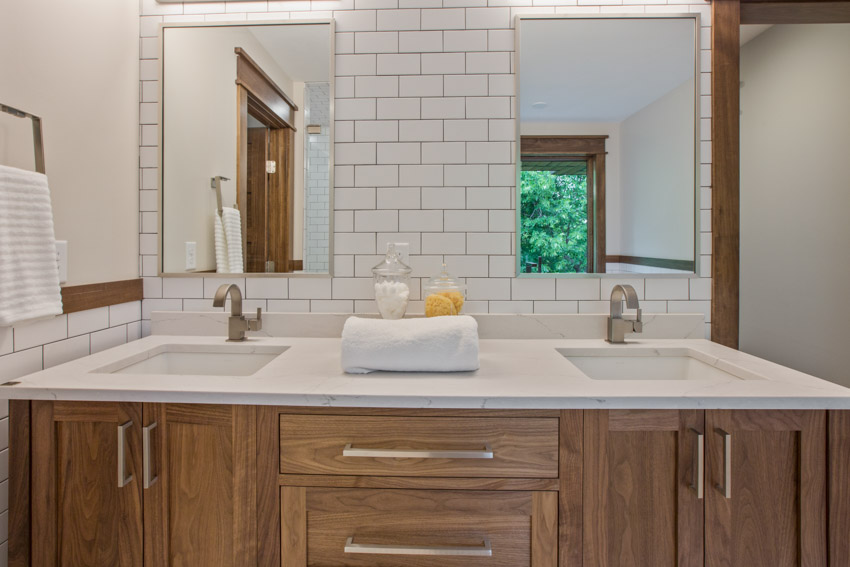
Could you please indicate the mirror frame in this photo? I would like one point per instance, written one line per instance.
(695, 17)
(160, 111)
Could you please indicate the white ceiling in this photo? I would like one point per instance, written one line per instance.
(601, 70)
(302, 51)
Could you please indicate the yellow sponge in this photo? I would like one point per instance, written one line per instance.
(437, 305)
(457, 299)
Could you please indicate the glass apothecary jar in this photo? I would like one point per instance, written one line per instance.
(392, 285)
(444, 295)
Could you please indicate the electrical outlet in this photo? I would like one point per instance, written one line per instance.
(62, 260)
(403, 249)
(191, 255)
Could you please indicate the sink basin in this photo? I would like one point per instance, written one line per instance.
(641, 363)
(206, 360)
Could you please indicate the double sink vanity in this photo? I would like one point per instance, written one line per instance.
(562, 449)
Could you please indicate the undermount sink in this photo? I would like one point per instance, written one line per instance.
(202, 360)
(642, 363)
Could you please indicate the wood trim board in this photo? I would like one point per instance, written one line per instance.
(91, 296)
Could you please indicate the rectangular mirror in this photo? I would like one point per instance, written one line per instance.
(608, 164)
(246, 148)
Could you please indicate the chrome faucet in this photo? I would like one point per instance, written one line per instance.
(617, 326)
(237, 324)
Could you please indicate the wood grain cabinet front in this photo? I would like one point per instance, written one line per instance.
(418, 528)
(419, 446)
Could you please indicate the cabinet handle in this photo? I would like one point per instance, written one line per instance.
(726, 487)
(147, 480)
(698, 480)
(486, 453)
(123, 478)
(483, 550)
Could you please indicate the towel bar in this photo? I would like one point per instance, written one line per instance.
(36, 134)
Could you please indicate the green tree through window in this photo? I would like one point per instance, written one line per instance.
(554, 216)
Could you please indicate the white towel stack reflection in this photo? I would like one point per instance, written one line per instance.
(29, 275)
(222, 266)
(435, 344)
(231, 220)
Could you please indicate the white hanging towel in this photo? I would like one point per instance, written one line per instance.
(232, 222)
(222, 266)
(29, 275)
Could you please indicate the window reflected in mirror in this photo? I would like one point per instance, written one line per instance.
(607, 152)
(246, 156)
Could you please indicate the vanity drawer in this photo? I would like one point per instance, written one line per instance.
(418, 528)
(419, 446)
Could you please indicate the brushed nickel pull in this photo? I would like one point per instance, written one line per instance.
(698, 480)
(726, 487)
(147, 481)
(483, 550)
(123, 478)
(349, 451)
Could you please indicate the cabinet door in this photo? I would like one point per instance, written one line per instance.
(86, 484)
(200, 493)
(642, 504)
(766, 489)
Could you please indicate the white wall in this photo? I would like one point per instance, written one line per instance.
(201, 140)
(657, 178)
(74, 64)
(795, 181)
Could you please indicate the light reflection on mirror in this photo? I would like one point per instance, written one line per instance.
(246, 158)
(607, 156)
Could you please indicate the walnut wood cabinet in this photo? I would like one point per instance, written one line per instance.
(150, 485)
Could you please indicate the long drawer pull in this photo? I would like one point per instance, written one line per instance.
(123, 478)
(483, 550)
(698, 483)
(148, 479)
(726, 487)
(486, 453)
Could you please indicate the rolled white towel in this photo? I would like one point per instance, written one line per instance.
(435, 344)
(231, 220)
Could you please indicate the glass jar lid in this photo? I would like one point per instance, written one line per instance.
(392, 265)
(444, 281)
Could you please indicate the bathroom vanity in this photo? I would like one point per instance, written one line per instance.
(546, 456)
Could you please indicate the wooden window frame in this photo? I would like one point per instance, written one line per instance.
(591, 149)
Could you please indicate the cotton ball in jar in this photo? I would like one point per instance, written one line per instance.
(392, 298)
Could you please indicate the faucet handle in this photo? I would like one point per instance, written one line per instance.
(256, 324)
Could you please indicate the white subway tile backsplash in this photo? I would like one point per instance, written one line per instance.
(398, 64)
(443, 64)
(465, 85)
(489, 62)
(465, 221)
(488, 107)
(419, 175)
(365, 64)
(27, 336)
(420, 221)
(310, 288)
(266, 288)
(488, 243)
(398, 19)
(184, 287)
(467, 175)
(398, 108)
(500, 40)
(420, 130)
(489, 197)
(354, 198)
(375, 175)
(124, 313)
(289, 305)
(85, 322)
(373, 131)
(420, 85)
(349, 243)
(488, 288)
(660, 288)
(465, 40)
(108, 338)
(355, 20)
(443, 152)
(399, 198)
(468, 266)
(444, 19)
(443, 107)
(355, 109)
(466, 130)
(376, 42)
(488, 152)
(443, 198)
(578, 289)
(67, 350)
(444, 242)
(420, 41)
(533, 288)
(488, 18)
(375, 221)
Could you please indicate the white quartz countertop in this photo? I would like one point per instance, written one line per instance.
(514, 374)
